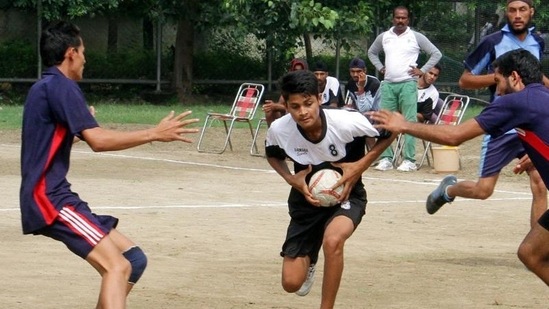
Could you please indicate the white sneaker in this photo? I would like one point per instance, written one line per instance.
(384, 165)
(308, 284)
(407, 166)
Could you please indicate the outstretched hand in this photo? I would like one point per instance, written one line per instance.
(390, 121)
(172, 128)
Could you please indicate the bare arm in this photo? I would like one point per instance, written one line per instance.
(171, 128)
(442, 134)
(545, 81)
(469, 80)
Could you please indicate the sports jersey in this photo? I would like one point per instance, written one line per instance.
(429, 94)
(366, 101)
(342, 133)
(495, 45)
(401, 52)
(527, 111)
(55, 111)
(343, 139)
(331, 92)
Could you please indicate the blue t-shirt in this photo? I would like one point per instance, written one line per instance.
(525, 110)
(498, 43)
(55, 112)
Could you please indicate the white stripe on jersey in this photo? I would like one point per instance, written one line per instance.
(79, 224)
(343, 127)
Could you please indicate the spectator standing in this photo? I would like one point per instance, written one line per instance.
(401, 46)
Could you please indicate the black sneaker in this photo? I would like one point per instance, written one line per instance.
(436, 199)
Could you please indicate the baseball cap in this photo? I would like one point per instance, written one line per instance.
(357, 63)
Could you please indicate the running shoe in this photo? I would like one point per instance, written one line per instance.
(407, 166)
(308, 284)
(384, 165)
(438, 197)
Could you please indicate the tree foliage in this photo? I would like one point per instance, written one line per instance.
(58, 9)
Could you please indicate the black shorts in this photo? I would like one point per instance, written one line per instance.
(306, 229)
(544, 220)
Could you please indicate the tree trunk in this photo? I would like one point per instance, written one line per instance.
(183, 62)
(148, 34)
(112, 35)
(308, 47)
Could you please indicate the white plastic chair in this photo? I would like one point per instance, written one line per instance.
(243, 110)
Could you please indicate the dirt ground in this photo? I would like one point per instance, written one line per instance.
(212, 226)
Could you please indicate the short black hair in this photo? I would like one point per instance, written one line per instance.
(299, 82)
(320, 66)
(55, 40)
(521, 61)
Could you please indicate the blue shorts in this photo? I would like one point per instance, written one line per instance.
(79, 229)
(497, 152)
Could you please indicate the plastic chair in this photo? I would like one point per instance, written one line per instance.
(243, 110)
(451, 113)
(254, 150)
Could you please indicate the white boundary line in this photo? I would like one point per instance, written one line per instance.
(243, 205)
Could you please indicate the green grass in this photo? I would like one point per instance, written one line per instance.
(111, 113)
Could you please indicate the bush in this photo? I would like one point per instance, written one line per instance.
(19, 59)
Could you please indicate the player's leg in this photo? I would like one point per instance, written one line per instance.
(115, 271)
(337, 232)
(482, 189)
(342, 225)
(300, 250)
(539, 196)
(495, 155)
(87, 235)
(294, 272)
(534, 252)
(132, 253)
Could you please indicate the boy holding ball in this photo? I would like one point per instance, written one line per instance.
(314, 138)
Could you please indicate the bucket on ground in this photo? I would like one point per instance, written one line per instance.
(445, 159)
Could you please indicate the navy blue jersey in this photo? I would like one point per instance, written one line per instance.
(526, 110)
(55, 112)
(496, 44)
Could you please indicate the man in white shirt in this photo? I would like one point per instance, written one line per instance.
(401, 46)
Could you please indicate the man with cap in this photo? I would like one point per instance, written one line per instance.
(401, 46)
(497, 152)
(361, 88)
(362, 92)
(328, 87)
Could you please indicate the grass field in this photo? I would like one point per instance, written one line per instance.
(144, 113)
